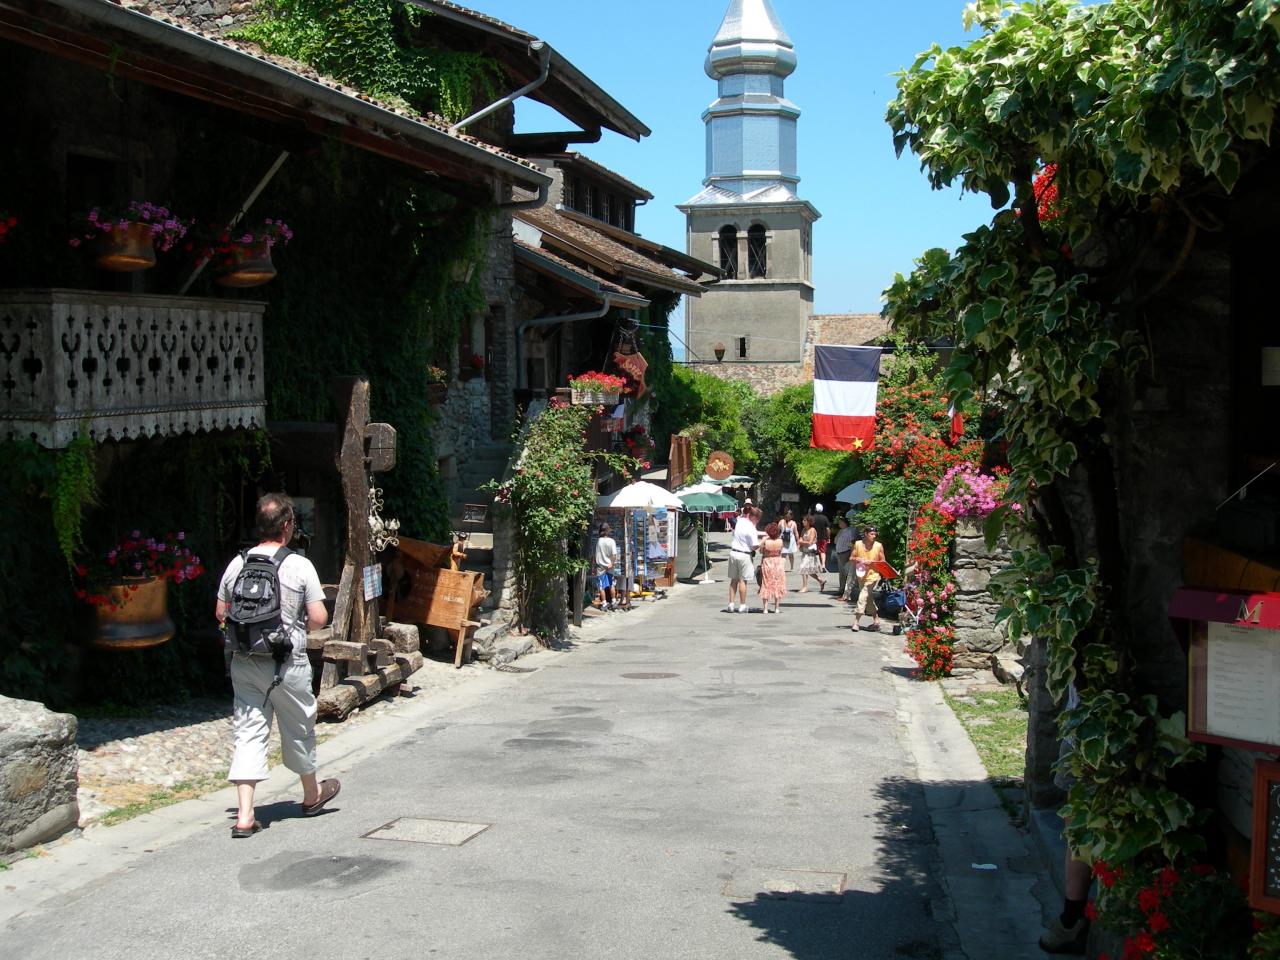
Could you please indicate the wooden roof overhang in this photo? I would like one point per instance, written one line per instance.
(578, 282)
(567, 90)
(101, 34)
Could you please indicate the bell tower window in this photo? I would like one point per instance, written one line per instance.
(729, 252)
(757, 253)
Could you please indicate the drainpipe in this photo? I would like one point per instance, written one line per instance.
(544, 58)
(596, 314)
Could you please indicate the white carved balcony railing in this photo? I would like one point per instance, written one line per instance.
(123, 366)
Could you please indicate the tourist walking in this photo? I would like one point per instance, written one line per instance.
(844, 546)
(741, 550)
(606, 560)
(773, 580)
(810, 565)
(866, 552)
(264, 689)
(822, 526)
(790, 538)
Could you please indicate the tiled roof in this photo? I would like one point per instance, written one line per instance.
(589, 279)
(434, 127)
(600, 170)
(581, 241)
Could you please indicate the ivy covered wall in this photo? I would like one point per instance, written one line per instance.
(369, 285)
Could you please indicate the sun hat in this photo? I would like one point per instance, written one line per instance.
(817, 508)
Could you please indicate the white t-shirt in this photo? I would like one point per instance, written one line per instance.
(299, 585)
(745, 536)
(606, 554)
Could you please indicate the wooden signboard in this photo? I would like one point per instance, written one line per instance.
(474, 512)
(433, 594)
(719, 465)
(1233, 667)
(1264, 872)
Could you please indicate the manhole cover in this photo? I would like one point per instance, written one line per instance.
(449, 833)
(649, 676)
(780, 884)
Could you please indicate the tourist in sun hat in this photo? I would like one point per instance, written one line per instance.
(822, 527)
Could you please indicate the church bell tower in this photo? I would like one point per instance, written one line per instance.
(748, 218)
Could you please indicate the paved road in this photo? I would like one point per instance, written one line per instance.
(686, 784)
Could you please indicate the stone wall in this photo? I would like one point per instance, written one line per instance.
(844, 329)
(463, 422)
(978, 638)
(38, 774)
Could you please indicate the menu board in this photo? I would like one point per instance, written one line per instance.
(1242, 683)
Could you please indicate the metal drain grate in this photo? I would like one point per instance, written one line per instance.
(776, 883)
(447, 833)
(649, 676)
(509, 668)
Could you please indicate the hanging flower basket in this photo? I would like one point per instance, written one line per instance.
(593, 388)
(126, 250)
(137, 616)
(246, 265)
(125, 239)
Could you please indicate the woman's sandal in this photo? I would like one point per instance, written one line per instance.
(328, 790)
(239, 833)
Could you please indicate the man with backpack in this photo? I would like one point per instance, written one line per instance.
(268, 598)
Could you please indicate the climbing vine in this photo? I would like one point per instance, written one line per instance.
(377, 46)
(1148, 112)
(75, 487)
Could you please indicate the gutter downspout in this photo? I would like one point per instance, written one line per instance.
(544, 58)
(596, 314)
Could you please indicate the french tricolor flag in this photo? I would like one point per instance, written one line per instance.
(845, 380)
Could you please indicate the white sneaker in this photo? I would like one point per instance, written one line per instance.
(743, 608)
(731, 608)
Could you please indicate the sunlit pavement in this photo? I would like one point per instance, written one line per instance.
(679, 783)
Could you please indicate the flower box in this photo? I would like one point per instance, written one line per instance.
(592, 398)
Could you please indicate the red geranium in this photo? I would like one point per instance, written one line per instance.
(133, 561)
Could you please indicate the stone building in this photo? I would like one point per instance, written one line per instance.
(748, 219)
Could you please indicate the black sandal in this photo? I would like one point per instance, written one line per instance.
(240, 833)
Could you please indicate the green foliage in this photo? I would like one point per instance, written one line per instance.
(552, 500)
(1149, 109)
(710, 410)
(1122, 807)
(372, 45)
(75, 486)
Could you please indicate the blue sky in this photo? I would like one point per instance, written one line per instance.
(878, 211)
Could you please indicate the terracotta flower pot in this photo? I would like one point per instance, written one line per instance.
(249, 266)
(140, 618)
(128, 250)
(437, 393)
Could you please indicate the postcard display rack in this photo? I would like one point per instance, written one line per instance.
(651, 547)
(1233, 699)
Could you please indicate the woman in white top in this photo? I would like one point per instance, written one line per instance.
(810, 564)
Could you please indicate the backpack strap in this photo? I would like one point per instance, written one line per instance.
(280, 556)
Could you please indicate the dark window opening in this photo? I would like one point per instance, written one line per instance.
(757, 254)
(729, 252)
(606, 211)
(742, 348)
(571, 193)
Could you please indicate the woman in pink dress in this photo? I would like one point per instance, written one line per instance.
(773, 577)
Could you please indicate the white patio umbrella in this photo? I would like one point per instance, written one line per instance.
(640, 496)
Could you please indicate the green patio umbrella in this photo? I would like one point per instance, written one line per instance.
(702, 502)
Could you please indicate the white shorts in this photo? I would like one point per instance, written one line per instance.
(741, 567)
(293, 706)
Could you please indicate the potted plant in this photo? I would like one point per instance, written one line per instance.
(242, 256)
(437, 385)
(7, 222)
(125, 239)
(128, 589)
(594, 387)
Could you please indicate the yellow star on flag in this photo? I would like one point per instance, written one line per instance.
(857, 443)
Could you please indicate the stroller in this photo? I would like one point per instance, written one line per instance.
(900, 604)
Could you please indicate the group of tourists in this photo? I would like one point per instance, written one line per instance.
(784, 539)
